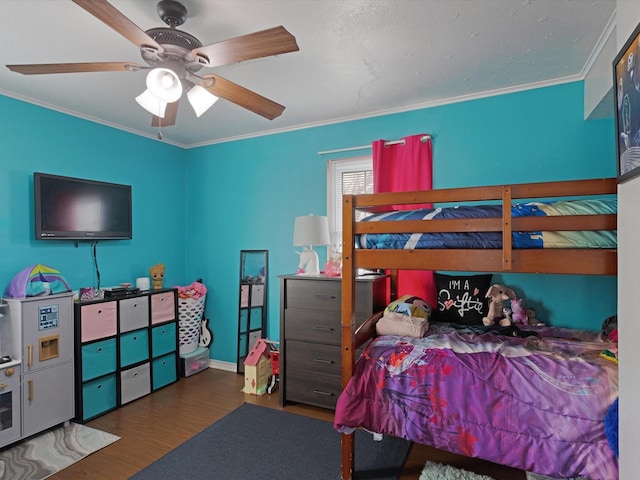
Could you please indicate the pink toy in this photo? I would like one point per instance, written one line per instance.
(518, 313)
(498, 313)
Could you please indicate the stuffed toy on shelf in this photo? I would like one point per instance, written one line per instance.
(157, 275)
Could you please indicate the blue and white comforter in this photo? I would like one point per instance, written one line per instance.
(542, 239)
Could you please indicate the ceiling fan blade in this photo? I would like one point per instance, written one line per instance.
(108, 14)
(169, 119)
(46, 68)
(266, 43)
(243, 97)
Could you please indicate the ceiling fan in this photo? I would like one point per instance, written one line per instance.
(174, 57)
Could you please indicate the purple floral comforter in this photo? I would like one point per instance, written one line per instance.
(536, 403)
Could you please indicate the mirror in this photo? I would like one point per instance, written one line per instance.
(252, 312)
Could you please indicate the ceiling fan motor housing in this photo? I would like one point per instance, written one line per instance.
(177, 45)
(172, 13)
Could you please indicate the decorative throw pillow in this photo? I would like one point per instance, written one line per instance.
(461, 298)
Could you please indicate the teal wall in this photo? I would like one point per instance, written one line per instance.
(195, 209)
(38, 139)
(245, 194)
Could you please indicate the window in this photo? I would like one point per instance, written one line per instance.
(347, 176)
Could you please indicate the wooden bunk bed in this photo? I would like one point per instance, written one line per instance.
(582, 261)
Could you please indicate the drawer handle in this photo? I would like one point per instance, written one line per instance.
(327, 297)
(323, 361)
(3, 385)
(320, 392)
(99, 349)
(323, 329)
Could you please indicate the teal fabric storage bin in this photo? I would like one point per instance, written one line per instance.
(164, 371)
(98, 359)
(163, 339)
(134, 347)
(98, 396)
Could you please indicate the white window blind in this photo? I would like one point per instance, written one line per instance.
(346, 176)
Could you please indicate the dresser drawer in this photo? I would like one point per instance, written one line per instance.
(98, 320)
(313, 357)
(134, 313)
(134, 347)
(98, 358)
(317, 389)
(313, 295)
(163, 307)
(312, 326)
(326, 295)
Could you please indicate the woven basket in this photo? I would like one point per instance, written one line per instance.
(190, 312)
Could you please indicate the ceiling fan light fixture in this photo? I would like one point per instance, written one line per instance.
(200, 99)
(151, 103)
(164, 84)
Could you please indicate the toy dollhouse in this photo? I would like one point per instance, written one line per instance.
(257, 368)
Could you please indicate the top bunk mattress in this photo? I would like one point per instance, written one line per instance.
(520, 240)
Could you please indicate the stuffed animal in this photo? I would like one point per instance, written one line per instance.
(533, 319)
(498, 313)
(523, 315)
(157, 275)
(518, 312)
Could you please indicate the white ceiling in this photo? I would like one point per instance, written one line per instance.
(357, 57)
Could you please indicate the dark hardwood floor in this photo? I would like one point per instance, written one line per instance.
(153, 425)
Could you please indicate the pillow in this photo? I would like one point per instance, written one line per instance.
(402, 325)
(408, 316)
(461, 298)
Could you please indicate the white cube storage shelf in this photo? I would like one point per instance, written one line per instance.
(125, 349)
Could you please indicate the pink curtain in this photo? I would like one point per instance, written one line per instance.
(404, 167)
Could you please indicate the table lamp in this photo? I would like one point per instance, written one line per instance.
(308, 231)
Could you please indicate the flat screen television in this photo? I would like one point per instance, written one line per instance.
(69, 208)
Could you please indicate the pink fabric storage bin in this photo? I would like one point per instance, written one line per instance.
(162, 307)
(99, 320)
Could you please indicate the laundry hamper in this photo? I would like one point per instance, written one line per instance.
(190, 312)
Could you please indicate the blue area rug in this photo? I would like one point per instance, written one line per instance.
(259, 442)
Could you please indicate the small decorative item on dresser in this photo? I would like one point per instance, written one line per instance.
(143, 283)
(157, 275)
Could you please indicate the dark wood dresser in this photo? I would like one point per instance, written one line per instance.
(310, 370)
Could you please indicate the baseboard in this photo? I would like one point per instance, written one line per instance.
(220, 365)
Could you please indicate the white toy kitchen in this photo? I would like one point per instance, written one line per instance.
(36, 365)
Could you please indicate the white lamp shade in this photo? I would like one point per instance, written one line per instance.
(201, 99)
(164, 84)
(151, 103)
(311, 230)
